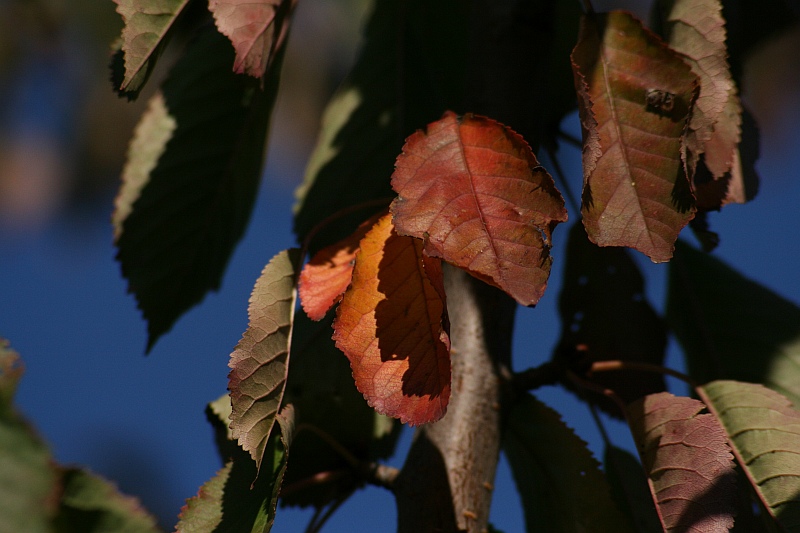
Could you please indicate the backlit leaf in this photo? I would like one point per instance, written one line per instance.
(765, 431)
(731, 327)
(260, 362)
(191, 178)
(257, 29)
(559, 481)
(231, 502)
(634, 95)
(143, 37)
(392, 325)
(473, 191)
(605, 315)
(688, 461)
(327, 275)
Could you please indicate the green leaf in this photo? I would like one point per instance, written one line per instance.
(28, 480)
(147, 23)
(764, 431)
(191, 178)
(731, 327)
(260, 362)
(231, 502)
(605, 315)
(411, 69)
(561, 485)
(321, 388)
(90, 504)
(687, 458)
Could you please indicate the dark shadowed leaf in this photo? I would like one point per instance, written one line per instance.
(629, 489)
(257, 29)
(605, 316)
(764, 430)
(473, 191)
(231, 502)
(412, 67)
(330, 408)
(392, 325)
(143, 37)
(260, 362)
(634, 95)
(731, 327)
(690, 465)
(190, 181)
(89, 504)
(559, 481)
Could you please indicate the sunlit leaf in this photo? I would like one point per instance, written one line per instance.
(412, 67)
(327, 275)
(260, 362)
(190, 181)
(89, 504)
(688, 461)
(634, 95)
(731, 327)
(321, 389)
(257, 29)
(143, 37)
(231, 502)
(765, 432)
(475, 193)
(392, 325)
(559, 481)
(605, 315)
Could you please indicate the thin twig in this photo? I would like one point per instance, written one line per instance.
(533, 378)
(616, 365)
(332, 442)
(594, 387)
(570, 139)
(316, 527)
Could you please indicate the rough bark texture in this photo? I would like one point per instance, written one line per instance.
(446, 484)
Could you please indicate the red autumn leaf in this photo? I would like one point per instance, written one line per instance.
(327, 275)
(392, 325)
(634, 97)
(688, 460)
(472, 189)
(257, 29)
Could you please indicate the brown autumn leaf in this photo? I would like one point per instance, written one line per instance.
(688, 461)
(257, 29)
(634, 96)
(473, 191)
(327, 275)
(392, 325)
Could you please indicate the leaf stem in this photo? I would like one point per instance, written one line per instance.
(573, 202)
(332, 442)
(594, 387)
(337, 215)
(616, 365)
(570, 139)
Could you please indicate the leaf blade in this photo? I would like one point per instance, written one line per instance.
(634, 98)
(474, 192)
(392, 325)
(259, 363)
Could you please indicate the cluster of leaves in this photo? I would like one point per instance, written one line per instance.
(664, 142)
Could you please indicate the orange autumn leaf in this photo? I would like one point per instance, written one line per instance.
(392, 326)
(473, 191)
(327, 275)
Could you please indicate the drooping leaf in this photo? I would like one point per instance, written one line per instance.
(559, 481)
(257, 29)
(260, 362)
(605, 316)
(412, 67)
(190, 181)
(89, 504)
(321, 389)
(688, 460)
(629, 489)
(327, 275)
(231, 502)
(143, 37)
(473, 191)
(765, 431)
(28, 480)
(634, 95)
(731, 327)
(392, 325)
